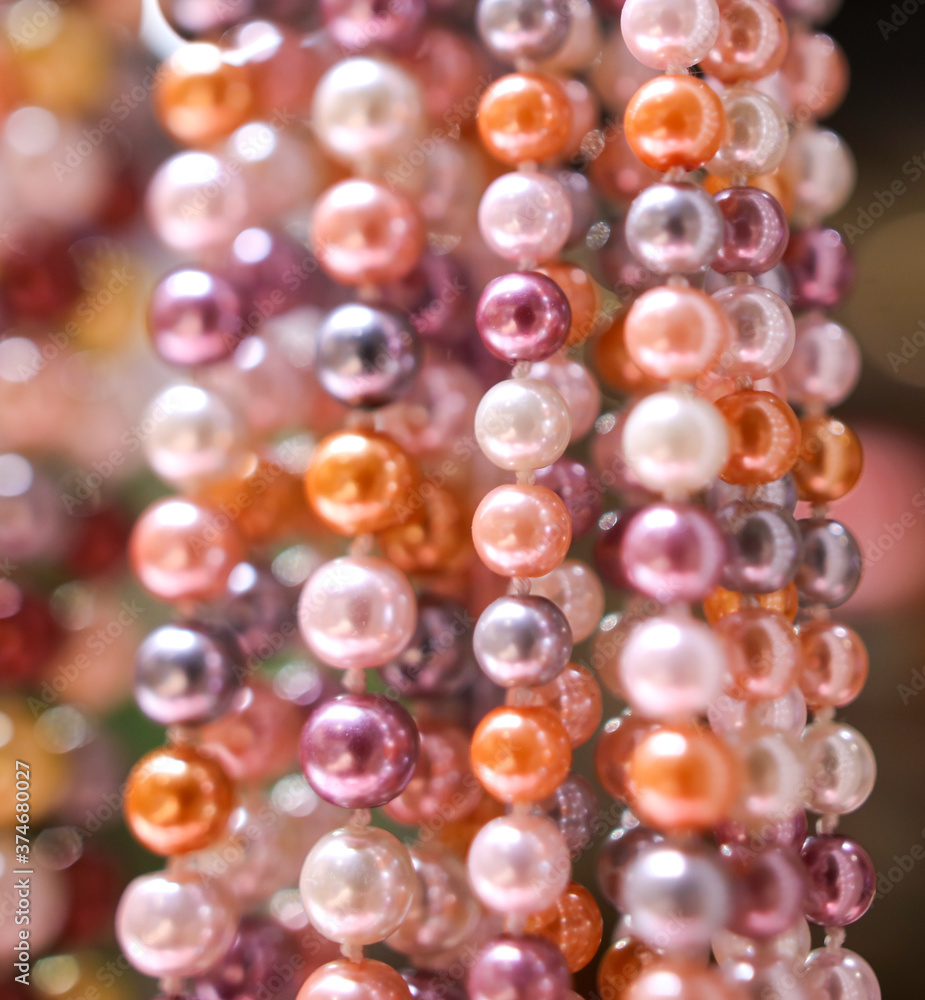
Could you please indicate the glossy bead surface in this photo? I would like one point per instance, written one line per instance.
(574, 926)
(583, 297)
(756, 138)
(524, 966)
(614, 750)
(755, 231)
(763, 334)
(764, 547)
(525, 216)
(619, 848)
(722, 602)
(343, 979)
(840, 767)
(522, 29)
(830, 460)
(825, 363)
(767, 893)
(578, 593)
(764, 654)
(524, 117)
(577, 386)
(523, 316)
(674, 228)
(573, 807)
(834, 663)
(522, 640)
(522, 424)
(669, 34)
(578, 488)
(840, 974)
(841, 880)
(751, 42)
(764, 437)
(575, 697)
(831, 568)
(821, 268)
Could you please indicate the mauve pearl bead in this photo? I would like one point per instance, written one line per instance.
(578, 388)
(357, 612)
(577, 486)
(522, 640)
(396, 27)
(840, 767)
(673, 552)
(755, 231)
(523, 316)
(676, 898)
(839, 974)
(825, 364)
(187, 674)
(194, 317)
(779, 493)
(669, 34)
(522, 29)
(841, 880)
(576, 590)
(358, 751)
(519, 864)
(821, 267)
(174, 924)
(764, 547)
(831, 568)
(622, 845)
(763, 331)
(366, 357)
(834, 663)
(258, 608)
(608, 547)
(525, 216)
(438, 296)
(767, 893)
(343, 979)
(756, 136)
(522, 424)
(743, 839)
(523, 967)
(357, 885)
(261, 948)
(573, 807)
(674, 228)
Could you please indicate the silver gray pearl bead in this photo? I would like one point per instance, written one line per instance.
(764, 546)
(831, 567)
(522, 641)
(527, 29)
(674, 228)
(782, 493)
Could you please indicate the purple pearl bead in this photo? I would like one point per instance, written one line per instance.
(260, 609)
(619, 849)
(578, 488)
(260, 951)
(755, 231)
(821, 269)
(391, 24)
(437, 295)
(195, 318)
(781, 493)
(573, 807)
(788, 831)
(359, 751)
(522, 640)
(430, 984)
(841, 880)
(188, 674)
(764, 547)
(767, 893)
(673, 552)
(831, 567)
(523, 316)
(608, 547)
(366, 357)
(438, 661)
(519, 968)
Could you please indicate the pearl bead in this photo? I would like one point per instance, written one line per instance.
(764, 547)
(841, 880)
(573, 806)
(187, 674)
(838, 972)
(366, 110)
(519, 864)
(357, 613)
(583, 298)
(764, 654)
(524, 117)
(794, 943)
(779, 493)
(825, 363)
(756, 138)
(575, 697)
(357, 885)
(756, 231)
(764, 437)
(346, 980)
(522, 29)
(751, 43)
(675, 443)
(356, 27)
(576, 590)
(815, 73)
(672, 668)
(775, 777)
(577, 386)
(525, 216)
(521, 531)
(820, 170)
(669, 34)
(574, 926)
(522, 640)
(831, 567)
(174, 924)
(527, 966)
(614, 751)
(767, 893)
(763, 331)
(523, 316)
(830, 460)
(821, 268)
(522, 424)
(674, 228)
(834, 663)
(840, 767)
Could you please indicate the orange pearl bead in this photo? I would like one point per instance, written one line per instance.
(724, 602)
(834, 663)
(521, 754)
(574, 925)
(575, 697)
(682, 778)
(621, 965)
(521, 530)
(764, 437)
(613, 752)
(751, 43)
(583, 298)
(435, 538)
(830, 460)
(524, 118)
(674, 121)
(615, 366)
(764, 654)
(200, 96)
(177, 801)
(359, 481)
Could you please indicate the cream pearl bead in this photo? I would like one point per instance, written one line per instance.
(675, 444)
(366, 110)
(756, 136)
(522, 424)
(357, 885)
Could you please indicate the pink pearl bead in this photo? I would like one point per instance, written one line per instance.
(357, 612)
(577, 591)
(670, 34)
(825, 364)
(763, 331)
(578, 388)
(346, 980)
(525, 216)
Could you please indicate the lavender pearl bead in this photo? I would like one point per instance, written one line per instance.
(780, 493)
(841, 880)
(519, 968)
(573, 808)
(755, 231)
(621, 846)
(188, 674)
(821, 269)
(522, 640)
(523, 316)
(430, 984)
(764, 547)
(262, 947)
(437, 296)
(366, 357)
(673, 228)
(259, 609)
(831, 567)
(767, 893)
(578, 488)
(359, 751)
(522, 29)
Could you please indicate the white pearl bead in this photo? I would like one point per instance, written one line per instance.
(675, 444)
(670, 34)
(522, 424)
(525, 216)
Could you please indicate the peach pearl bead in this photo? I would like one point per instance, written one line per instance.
(524, 117)
(574, 925)
(578, 593)
(177, 801)
(614, 750)
(764, 437)
(676, 332)
(682, 778)
(834, 664)
(614, 364)
(722, 602)
(575, 697)
(521, 754)
(764, 654)
(685, 979)
(674, 121)
(815, 73)
(435, 538)
(830, 460)
(751, 44)
(181, 550)
(359, 481)
(346, 980)
(521, 530)
(363, 233)
(621, 965)
(202, 97)
(583, 298)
